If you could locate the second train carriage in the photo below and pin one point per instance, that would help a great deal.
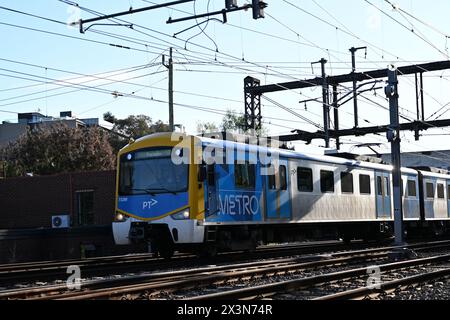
(207, 202)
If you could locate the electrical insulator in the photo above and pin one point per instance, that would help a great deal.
(229, 4)
(258, 9)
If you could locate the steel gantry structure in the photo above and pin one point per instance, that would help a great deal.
(254, 91)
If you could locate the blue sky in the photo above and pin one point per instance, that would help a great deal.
(209, 79)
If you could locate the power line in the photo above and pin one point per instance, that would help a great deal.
(223, 64)
(32, 15)
(411, 30)
(398, 8)
(354, 35)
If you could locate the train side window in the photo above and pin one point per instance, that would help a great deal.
(448, 192)
(346, 182)
(364, 184)
(304, 180)
(245, 175)
(440, 191)
(283, 178)
(379, 186)
(430, 190)
(326, 181)
(412, 191)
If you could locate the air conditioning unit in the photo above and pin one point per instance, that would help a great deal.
(61, 221)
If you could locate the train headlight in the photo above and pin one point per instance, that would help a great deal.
(182, 215)
(119, 217)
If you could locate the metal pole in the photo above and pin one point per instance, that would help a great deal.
(252, 105)
(416, 131)
(326, 105)
(171, 122)
(355, 95)
(131, 11)
(355, 100)
(393, 136)
(336, 115)
(421, 96)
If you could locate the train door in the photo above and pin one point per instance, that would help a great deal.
(383, 194)
(211, 189)
(278, 200)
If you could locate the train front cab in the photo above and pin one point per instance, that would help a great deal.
(159, 202)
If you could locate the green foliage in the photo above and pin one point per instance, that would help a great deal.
(131, 127)
(231, 122)
(204, 127)
(57, 149)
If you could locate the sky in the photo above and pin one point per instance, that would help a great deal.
(46, 65)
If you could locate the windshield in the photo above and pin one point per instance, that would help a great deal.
(151, 171)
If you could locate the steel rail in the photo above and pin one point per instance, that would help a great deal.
(368, 292)
(324, 260)
(292, 285)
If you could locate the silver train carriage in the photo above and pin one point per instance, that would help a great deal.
(206, 204)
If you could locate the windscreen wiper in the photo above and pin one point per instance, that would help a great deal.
(175, 192)
(154, 191)
(148, 191)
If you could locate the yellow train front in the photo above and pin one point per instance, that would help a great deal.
(158, 197)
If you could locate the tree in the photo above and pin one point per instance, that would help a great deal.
(132, 127)
(58, 149)
(231, 122)
(204, 127)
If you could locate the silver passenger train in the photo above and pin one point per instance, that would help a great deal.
(208, 206)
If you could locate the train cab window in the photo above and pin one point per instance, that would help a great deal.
(244, 175)
(283, 178)
(346, 182)
(440, 191)
(411, 187)
(326, 181)
(304, 180)
(430, 190)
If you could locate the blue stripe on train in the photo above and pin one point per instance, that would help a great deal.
(233, 203)
(237, 205)
(150, 207)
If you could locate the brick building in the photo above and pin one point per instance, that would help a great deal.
(28, 204)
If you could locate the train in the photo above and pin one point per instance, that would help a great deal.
(179, 192)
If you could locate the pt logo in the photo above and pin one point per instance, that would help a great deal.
(149, 204)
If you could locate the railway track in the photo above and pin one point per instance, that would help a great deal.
(54, 270)
(318, 287)
(396, 285)
(159, 284)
